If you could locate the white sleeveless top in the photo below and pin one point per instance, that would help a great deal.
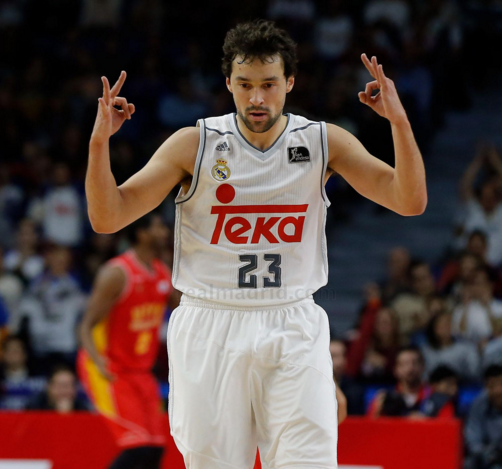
(250, 230)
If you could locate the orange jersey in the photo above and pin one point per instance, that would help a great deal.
(129, 336)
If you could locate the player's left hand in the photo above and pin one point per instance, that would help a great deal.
(386, 102)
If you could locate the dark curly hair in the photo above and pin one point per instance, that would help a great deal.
(259, 39)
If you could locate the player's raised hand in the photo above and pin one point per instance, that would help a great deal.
(109, 118)
(386, 102)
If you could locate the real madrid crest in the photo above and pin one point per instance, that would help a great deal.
(220, 171)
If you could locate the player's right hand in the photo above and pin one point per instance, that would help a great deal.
(102, 364)
(109, 118)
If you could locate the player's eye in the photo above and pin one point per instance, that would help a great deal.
(269, 85)
(244, 85)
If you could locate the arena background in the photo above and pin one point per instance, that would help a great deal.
(390, 277)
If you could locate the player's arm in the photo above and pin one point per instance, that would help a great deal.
(342, 405)
(401, 189)
(110, 207)
(107, 288)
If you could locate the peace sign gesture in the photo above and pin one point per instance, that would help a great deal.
(109, 118)
(386, 102)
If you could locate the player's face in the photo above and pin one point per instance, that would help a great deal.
(259, 90)
(158, 233)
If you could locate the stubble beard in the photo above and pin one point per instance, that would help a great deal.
(259, 127)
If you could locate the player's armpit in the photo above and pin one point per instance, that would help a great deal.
(368, 175)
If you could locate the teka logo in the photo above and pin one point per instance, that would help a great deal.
(239, 230)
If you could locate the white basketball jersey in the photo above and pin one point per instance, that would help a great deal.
(250, 230)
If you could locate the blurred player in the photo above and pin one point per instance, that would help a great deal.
(120, 338)
(248, 347)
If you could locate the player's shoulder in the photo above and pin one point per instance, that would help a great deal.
(299, 123)
(113, 274)
(221, 125)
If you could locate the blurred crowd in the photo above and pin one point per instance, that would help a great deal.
(429, 337)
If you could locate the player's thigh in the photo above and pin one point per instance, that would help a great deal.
(152, 407)
(297, 419)
(295, 395)
(119, 402)
(131, 422)
(210, 410)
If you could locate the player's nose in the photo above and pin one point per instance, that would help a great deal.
(256, 98)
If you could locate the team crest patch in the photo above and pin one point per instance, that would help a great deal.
(298, 155)
(220, 171)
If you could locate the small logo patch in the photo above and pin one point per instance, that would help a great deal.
(298, 155)
(220, 171)
(223, 147)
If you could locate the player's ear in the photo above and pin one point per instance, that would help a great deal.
(290, 82)
(229, 86)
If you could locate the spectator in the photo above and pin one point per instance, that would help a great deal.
(52, 310)
(395, 13)
(11, 198)
(101, 13)
(483, 428)
(17, 386)
(492, 354)
(477, 244)
(11, 289)
(372, 354)
(24, 260)
(476, 316)
(60, 210)
(353, 391)
(99, 249)
(442, 402)
(411, 308)
(333, 31)
(442, 349)
(296, 10)
(61, 394)
(407, 398)
(4, 318)
(458, 273)
(398, 281)
(182, 108)
(484, 210)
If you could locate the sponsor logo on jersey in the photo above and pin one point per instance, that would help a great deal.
(223, 147)
(220, 171)
(277, 223)
(298, 155)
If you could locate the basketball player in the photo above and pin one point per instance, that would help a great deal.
(248, 347)
(120, 338)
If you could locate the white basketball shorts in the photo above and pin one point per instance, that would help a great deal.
(246, 378)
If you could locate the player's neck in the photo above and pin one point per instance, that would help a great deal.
(145, 255)
(266, 139)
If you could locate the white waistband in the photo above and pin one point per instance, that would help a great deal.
(187, 300)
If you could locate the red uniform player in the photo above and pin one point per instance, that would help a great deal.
(120, 338)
